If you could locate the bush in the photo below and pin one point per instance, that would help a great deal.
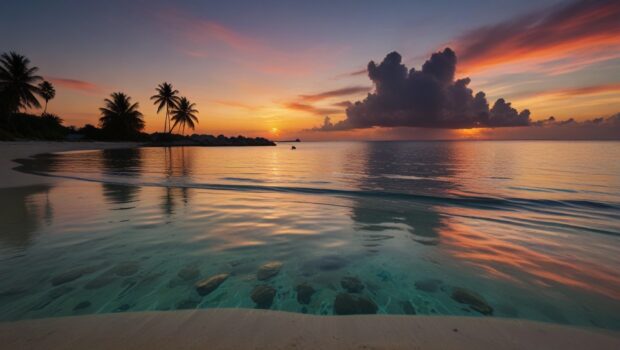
(27, 126)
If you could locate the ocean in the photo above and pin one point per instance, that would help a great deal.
(515, 229)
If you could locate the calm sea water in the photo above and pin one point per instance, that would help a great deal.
(504, 229)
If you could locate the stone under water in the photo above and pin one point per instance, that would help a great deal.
(304, 293)
(268, 270)
(473, 300)
(352, 284)
(207, 286)
(263, 296)
(352, 304)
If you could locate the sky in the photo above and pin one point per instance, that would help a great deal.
(279, 68)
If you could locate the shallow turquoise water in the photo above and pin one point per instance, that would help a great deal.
(531, 228)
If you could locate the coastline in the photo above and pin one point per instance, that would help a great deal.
(11, 150)
(262, 329)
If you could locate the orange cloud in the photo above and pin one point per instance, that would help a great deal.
(74, 84)
(236, 104)
(585, 90)
(351, 90)
(303, 107)
(581, 29)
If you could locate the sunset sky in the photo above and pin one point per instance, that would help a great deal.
(278, 68)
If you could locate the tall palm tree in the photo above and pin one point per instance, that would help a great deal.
(120, 118)
(18, 82)
(166, 97)
(184, 114)
(47, 91)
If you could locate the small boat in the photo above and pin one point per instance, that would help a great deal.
(293, 147)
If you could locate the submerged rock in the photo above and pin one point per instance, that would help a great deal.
(407, 307)
(122, 308)
(351, 304)
(125, 269)
(12, 292)
(429, 285)
(352, 284)
(263, 296)
(188, 273)
(473, 300)
(268, 270)
(187, 304)
(304, 293)
(331, 262)
(82, 305)
(207, 286)
(67, 277)
(99, 282)
(58, 292)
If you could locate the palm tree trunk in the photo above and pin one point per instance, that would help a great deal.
(166, 120)
(45, 110)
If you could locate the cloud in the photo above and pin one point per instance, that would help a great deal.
(342, 104)
(612, 121)
(351, 90)
(354, 73)
(200, 37)
(74, 84)
(236, 104)
(427, 98)
(580, 91)
(298, 106)
(579, 32)
(601, 128)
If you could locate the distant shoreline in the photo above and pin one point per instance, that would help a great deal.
(11, 150)
(264, 329)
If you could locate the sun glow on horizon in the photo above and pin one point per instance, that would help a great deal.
(471, 133)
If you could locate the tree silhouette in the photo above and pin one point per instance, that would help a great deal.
(47, 91)
(18, 82)
(184, 114)
(166, 97)
(120, 118)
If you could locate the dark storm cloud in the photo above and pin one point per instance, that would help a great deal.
(427, 98)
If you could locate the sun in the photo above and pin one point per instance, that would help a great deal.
(471, 133)
(275, 131)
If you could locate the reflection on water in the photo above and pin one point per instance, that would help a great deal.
(24, 210)
(509, 229)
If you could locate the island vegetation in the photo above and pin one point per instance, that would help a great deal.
(120, 118)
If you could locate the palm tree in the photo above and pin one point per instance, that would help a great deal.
(47, 91)
(120, 118)
(18, 82)
(166, 97)
(184, 114)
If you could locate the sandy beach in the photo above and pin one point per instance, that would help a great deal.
(259, 329)
(22, 149)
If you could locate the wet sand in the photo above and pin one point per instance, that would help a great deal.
(259, 329)
(22, 149)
